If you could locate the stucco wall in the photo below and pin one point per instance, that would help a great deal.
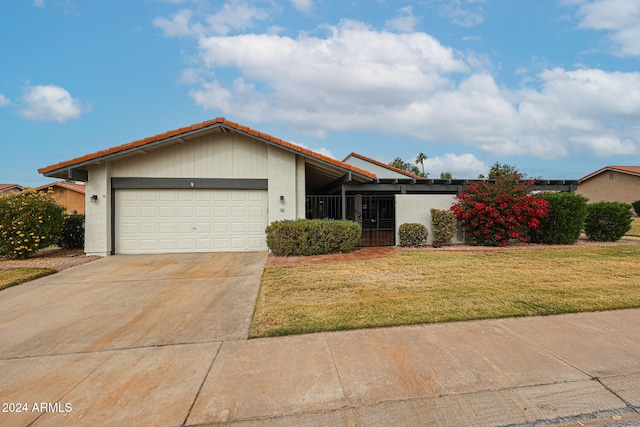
(97, 235)
(282, 178)
(417, 208)
(611, 186)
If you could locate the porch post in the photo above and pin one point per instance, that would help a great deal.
(344, 202)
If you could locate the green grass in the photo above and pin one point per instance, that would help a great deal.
(14, 276)
(419, 286)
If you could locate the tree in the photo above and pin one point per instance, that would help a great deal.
(398, 163)
(446, 175)
(495, 212)
(420, 160)
(502, 171)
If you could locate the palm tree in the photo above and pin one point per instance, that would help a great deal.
(420, 160)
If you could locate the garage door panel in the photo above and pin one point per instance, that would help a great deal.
(165, 221)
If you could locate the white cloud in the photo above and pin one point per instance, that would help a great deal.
(38, 3)
(618, 17)
(404, 22)
(4, 101)
(232, 16)
(356, 78)
(462, 12)
(461, 166)
(51, 103)
(303, 6)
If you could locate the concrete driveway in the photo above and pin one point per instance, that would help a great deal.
(133, 324)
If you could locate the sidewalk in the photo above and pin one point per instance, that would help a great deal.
(572, 370)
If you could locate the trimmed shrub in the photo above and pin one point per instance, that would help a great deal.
(412, 234)
(72, 235)
(607, 221)
(312, 236)
(28, 222)
(636, 207)
(445, 226)
(563, 225)
(496, 212)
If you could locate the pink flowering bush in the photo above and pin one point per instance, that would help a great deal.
(496, 212)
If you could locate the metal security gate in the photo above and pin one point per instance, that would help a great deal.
(374, 213)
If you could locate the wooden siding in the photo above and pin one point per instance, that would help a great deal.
(214, 155)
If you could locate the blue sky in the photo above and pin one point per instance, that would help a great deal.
(549, 86)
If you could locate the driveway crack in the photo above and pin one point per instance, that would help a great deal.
(184, 423)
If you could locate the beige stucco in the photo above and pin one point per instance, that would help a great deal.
(72, 201)
(97, 239)
(611, 186)
(416, 208)
(213, 155)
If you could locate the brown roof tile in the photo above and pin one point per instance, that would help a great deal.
(220, 120)
(375, 162)
(633, 170)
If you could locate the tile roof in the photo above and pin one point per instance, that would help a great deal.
(4, 187)
(220, 121)
(375, 162)
(633, 170)
(79, 188)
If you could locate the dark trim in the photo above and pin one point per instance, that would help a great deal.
(189, 183)
(78, 175)
(113, 221)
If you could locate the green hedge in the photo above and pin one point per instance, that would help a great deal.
(312, 236)
(72, 235)
(445, 227)
(608, 221)
(636, 207)
(563, 225)
(412, 234)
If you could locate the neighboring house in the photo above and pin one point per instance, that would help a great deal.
(380, 169)
(67, 194)
(612, 184)
(10, 188)
(215, 186)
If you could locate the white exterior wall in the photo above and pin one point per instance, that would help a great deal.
(417, 208)
(300, 188)
(214, 155)
(282, 178)
(97, 234)
(373, 168)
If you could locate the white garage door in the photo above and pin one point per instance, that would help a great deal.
(169, 221)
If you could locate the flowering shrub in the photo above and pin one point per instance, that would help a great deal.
(28, 222)
(444, 226)
(496, 212)
(412, 234)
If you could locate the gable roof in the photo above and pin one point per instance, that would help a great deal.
(377, 163)
(78, 188)
(631, 170)
(6, 187)
(177, 134)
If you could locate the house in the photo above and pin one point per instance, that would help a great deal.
(612, 184)
(380, 169)
(10, 188)
(67, 194)
(216, 185)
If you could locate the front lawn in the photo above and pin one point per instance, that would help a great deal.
(14, 276)
(635, 228)
(426, 286)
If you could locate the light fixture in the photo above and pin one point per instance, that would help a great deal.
(94, 198)
(281, 199)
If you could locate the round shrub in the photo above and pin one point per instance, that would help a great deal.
(564, 223)
(312, 236)
(445, 226)
(28, 221)
(636, 207)
(607, 221)
(412, 234)
(72, 235)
